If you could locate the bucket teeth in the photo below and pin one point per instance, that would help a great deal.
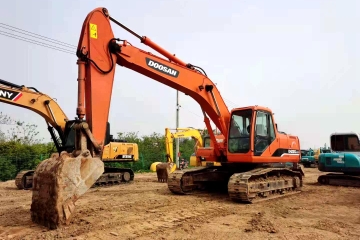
(58, 182)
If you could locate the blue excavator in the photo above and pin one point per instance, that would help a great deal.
(308, 158)
(343, 163)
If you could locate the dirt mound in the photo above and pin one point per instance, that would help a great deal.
(260, 223)
(145, 209)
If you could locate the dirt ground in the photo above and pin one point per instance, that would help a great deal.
(145, 209)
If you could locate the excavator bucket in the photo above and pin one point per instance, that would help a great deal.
(58, 182)
(163, 170)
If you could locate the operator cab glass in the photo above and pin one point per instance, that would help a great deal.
(345, 142)
(264, 132)
(240, 131)
(207, 141)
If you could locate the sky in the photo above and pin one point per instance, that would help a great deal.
(299, 58)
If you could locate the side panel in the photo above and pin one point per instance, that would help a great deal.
(339, 162)
(121, 152)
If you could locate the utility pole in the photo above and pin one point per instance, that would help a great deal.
(177, 126)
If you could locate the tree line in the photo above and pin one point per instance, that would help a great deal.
(21, 148)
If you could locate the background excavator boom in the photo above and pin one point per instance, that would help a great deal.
(164, 169)
(30, 98)
(34, 100)
(180, 133)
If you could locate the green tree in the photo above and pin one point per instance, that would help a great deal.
(5, 120)
(24, 133)
(186, 148)
(20, 148)
(205, 132)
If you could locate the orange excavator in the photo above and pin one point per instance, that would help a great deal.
(62, 134)
(251, 145)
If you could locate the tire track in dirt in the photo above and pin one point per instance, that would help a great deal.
(135, 218)
(145, 209)
(157, 220)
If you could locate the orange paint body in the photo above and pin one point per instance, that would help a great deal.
(175, 74)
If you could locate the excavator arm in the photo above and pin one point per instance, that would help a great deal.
(100, 51)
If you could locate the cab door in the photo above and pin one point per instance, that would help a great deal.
(265, 141)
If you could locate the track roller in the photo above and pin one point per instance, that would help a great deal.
(115, 176)
(24, 179)
(264, 184)
(256, 185)
(335, 179)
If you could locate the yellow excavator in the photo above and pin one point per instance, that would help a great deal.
(164, 169)
(62, 133)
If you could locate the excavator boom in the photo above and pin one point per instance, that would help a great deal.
(98, 46)
(36, 101)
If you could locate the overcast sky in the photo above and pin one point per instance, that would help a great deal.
(299, 58)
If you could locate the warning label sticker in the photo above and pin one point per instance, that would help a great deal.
(93, 31)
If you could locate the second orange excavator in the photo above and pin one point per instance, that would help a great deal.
(251, 145)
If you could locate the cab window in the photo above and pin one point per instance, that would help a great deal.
(345, 142)
(240, 129)
(206, 141)
(264, 132)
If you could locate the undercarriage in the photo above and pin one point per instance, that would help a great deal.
(111, 176)
(250, 186)
(339, 179)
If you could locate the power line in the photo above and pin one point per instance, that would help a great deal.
(193, 113)
(71, 48)
(39, 36)
(35, 42)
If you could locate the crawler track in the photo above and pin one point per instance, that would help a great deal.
(253, 186)
(263, 184)
(339, 180)
(23, 179)
(115, 176)
(176, 179)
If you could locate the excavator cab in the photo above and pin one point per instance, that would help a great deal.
(253, 134)
(344, 158)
